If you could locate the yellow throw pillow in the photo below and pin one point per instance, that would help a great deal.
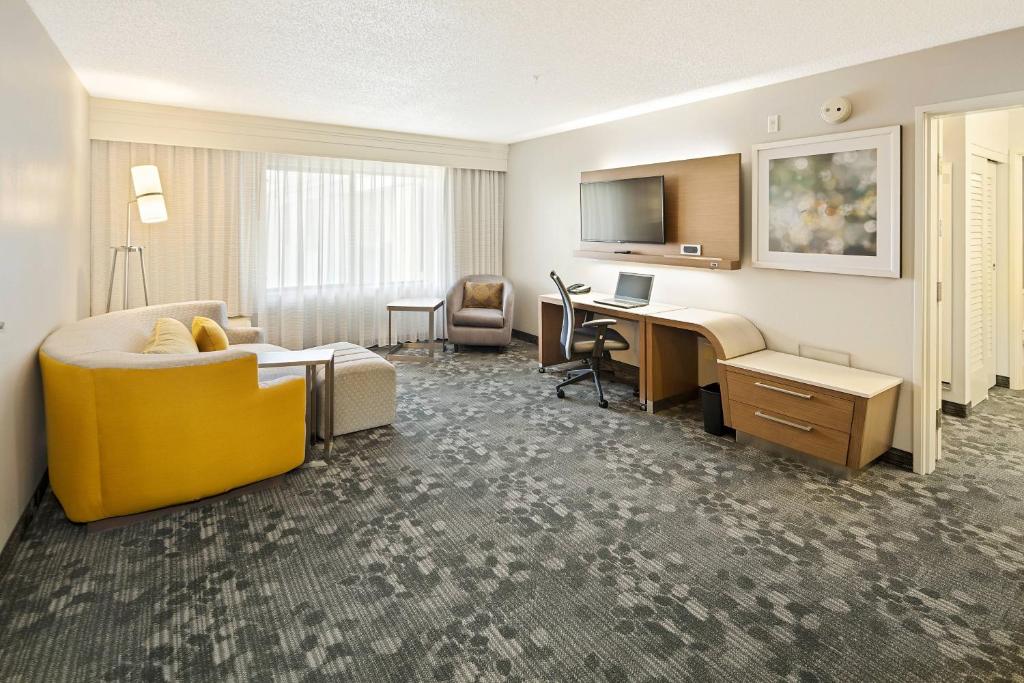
(208, 334)
(483, 295)
(170, 336)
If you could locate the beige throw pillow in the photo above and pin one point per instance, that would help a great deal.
(170, 336)
(483, 295)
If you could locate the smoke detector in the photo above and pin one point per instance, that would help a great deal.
(836, 110)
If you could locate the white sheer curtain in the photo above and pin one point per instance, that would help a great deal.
(475, 211)
(313, 248)
(339, 239)
(201, 251)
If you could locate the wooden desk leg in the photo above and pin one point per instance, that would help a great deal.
(670, 366)
(641, 354)
(549, 346)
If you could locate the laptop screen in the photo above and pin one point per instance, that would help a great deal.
(634, 286)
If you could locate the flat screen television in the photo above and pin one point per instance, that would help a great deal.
(628, 210)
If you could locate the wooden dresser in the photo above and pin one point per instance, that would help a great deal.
(843, 415)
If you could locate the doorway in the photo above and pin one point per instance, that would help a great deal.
(969, 263)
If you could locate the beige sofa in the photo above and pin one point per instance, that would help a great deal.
(129, 432)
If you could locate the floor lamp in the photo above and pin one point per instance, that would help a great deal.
(149, 198)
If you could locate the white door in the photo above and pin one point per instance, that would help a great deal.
(981, 273)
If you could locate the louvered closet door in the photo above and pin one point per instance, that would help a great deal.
(981, 275)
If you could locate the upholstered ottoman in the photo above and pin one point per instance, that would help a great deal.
(364, 389)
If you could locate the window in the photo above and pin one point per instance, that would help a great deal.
(353, 224)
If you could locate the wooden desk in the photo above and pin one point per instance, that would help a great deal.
(671, 353)
(549, 347)
(842, 415)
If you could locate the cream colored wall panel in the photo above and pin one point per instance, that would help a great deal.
(44, 236)
(870, 318)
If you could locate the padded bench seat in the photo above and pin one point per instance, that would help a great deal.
(364, 389)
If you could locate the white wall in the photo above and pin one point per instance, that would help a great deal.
(871, 318)
(989, 131)
(1017, 130)
(44, 231)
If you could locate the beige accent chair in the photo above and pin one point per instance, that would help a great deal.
(479, 326)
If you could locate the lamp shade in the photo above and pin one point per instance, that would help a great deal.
(146, 180)
(152, 208)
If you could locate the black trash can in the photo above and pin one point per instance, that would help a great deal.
(711, 404)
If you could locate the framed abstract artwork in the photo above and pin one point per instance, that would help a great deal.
(829, 204)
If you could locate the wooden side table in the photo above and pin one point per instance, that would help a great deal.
(428, 305)
(315, 408)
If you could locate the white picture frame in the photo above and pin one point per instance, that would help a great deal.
(885, 262)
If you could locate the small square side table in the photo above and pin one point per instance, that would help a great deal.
(316, 409)
(428, 305)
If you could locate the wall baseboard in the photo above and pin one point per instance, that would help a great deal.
(899, 458)
(23, 523)
(962, 410)
(524, 336)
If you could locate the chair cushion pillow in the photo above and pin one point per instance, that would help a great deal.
(170, 336)
(478, 317)
(584, 339)
(483, 295)
(208, 334)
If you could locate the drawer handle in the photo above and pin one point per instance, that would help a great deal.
(789, 392)
(795, 425)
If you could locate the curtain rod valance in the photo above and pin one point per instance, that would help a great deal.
(119, 121)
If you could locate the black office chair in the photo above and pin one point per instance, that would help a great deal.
(589, 343)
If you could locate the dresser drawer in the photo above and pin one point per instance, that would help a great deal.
(801, 435)
(792, 399)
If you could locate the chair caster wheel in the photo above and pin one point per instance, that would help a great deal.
(541, 370)
(603, 403)
(560, 394)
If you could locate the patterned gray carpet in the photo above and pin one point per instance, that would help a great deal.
(497, 533)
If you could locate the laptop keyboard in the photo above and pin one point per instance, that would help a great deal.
(620, 303)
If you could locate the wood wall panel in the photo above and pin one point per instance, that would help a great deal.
(702, 206)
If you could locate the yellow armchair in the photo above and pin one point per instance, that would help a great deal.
(128, 432)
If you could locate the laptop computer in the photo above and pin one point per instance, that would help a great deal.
(631, 291)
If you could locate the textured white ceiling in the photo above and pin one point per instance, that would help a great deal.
(496, 70)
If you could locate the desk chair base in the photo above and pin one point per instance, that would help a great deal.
(580, 374)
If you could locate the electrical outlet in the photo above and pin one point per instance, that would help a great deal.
(773, 123)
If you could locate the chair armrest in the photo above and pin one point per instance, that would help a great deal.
(600, 322)
(245, 335)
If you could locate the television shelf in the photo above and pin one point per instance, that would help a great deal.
(702, 200)
(662, 259)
